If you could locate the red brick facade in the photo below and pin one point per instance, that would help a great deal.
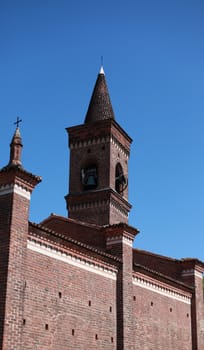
(77, 283)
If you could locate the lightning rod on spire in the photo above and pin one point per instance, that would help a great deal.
(102, 70)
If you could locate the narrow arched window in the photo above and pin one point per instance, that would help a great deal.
(120, 179)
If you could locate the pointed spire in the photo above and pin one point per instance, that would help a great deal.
(100, 106)
(15, 149)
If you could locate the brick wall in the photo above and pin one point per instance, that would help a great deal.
(66, 307)
(160, 322)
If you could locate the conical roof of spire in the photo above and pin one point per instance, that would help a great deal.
(100, 106)
(16, 135)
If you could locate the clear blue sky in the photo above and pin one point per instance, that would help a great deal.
(154, 63)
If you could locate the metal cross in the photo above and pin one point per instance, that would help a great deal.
(18, 121)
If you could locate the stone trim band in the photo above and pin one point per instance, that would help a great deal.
(71, 259)
(15, 189)
(164, 290)
(119, 239)
(192, 272)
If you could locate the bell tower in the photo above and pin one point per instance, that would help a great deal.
(99, 154)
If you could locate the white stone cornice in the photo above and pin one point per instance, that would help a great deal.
(119, 239)
(14, 188)
(164, 289)
(67, 257)
(192, 272)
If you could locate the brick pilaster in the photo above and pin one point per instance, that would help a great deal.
(119, 242)
(16, 186)
(193, 275)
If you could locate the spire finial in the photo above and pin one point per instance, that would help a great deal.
(18, 121)
(101, 69)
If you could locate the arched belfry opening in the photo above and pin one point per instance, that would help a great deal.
(120, 179)
(89, 178)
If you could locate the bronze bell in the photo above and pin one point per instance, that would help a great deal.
(91, 180)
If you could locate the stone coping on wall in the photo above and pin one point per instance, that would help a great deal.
(161, 288)
(71, 257)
